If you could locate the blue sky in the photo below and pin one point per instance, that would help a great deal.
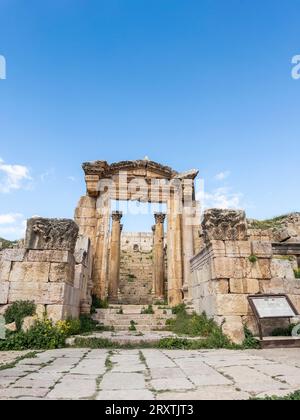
(193, 84)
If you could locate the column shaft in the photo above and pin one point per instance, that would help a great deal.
(159, 259)
(114, 261)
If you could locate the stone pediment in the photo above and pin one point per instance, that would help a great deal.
(145, 168)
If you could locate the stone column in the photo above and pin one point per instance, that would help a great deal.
(100, 268)
(174, 247)
(153, 257)
(158, 260)
(114, 261)
(187, 247)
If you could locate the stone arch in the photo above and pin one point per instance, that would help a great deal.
(146, 181)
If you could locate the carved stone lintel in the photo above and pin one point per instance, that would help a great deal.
(219, 224)
(159, 217)
(116, 216)
(51, 234)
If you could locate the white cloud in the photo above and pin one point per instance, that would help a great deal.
(222, 175)
(13, 177)
(9, 218)
(222, 198)
(72, 178)
(12, 226)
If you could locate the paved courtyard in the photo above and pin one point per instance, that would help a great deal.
(150, 374)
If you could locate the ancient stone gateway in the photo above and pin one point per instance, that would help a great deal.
(148, 182)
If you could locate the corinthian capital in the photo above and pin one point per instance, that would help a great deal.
(116, 216)
(159, 217)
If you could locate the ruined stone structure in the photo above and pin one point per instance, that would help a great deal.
(143, 181)
(213, 266)
(53, 269)
(237, 261)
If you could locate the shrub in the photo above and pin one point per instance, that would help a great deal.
(295, 396)
(196, 326)
(297, 273)
(42, 335)
(97, 303)
(87, 324)
(250, 341)
(179, 308)
(192, 325)
(132, 326)
(161, 302)
(253, 259)
(94, 343)
(283, 332)
(18, 311)
(148, 311)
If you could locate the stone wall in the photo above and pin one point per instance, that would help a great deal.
(231, 266)
(53, 270)
(136, 268)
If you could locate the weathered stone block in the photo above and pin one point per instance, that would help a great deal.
(217, 245)
(262, 249)
(29, 272)
(220, 286)
(285, 233)
(232, 305)
(82, 249)
(250, 322)
(57, 312)
(28, 323)
(55, 234)
(13, 255)
(11, 327)
(57, 293)
(50, 256)
(273, 286)
(36, 291)
(282, 268)
(259, 270)
(237, 249)
(244, 286)
(224, 267)
(5, 267)
(61, 273)
(86, 222)
(233, 328)
(86, 201)
(85, 212)
(224, 225)
(79, 277)
(40, 311)
(4, 289)
(62, 312)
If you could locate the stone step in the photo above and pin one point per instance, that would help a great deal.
(137, 318)
(144, 322)
(134, 309)
(140, 328)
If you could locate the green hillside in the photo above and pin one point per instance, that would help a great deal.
(6, 243)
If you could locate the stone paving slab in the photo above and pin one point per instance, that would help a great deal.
(114, 381)
(10, 356)
(126, 395)
(206, 393)
(151, 374)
